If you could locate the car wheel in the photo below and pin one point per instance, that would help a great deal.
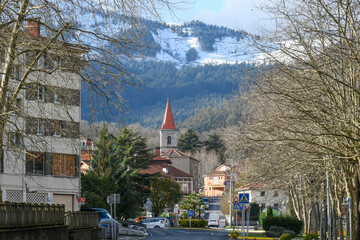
(156, 227)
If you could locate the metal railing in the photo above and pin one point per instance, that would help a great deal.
(20, 215)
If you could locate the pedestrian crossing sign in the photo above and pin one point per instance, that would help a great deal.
(244, 198)
(237, 206)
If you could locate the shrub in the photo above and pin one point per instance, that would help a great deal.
(194, 223)
(275, 231)
(292, 233)
(269, 211)
(234, 235)
(289, 223)
(262, 216)
(285, 236)
(311, 236)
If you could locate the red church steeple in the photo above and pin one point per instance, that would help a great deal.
(168, 122)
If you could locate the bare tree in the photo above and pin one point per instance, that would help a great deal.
(308, 95)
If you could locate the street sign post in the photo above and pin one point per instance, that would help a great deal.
(243, 198)
(237, 206)
(190, 213)
(81, 200)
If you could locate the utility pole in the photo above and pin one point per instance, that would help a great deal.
(328, 199)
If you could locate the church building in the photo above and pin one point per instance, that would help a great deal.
(171, 162)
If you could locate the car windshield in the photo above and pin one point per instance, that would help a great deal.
(206, 200)
(104, 215)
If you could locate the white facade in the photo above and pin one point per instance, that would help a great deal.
(168, 139)
(265, 197)
(41, 148)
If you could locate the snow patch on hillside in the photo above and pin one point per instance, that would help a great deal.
(227, 50)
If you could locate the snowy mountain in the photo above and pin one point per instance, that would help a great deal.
(196, 65)
(210, 44)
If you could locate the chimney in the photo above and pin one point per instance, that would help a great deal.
(33, 28)
(165, 170)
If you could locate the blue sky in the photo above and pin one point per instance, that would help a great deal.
(236, 14)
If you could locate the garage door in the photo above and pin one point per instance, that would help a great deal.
(64, 199)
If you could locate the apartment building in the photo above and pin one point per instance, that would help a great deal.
(41, 162)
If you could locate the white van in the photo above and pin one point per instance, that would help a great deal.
(153, 222)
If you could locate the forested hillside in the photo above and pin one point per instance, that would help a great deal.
(197, 66)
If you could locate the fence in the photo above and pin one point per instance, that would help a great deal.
(23, 215)
(80, 220)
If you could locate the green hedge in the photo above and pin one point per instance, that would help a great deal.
(288, 223)
(194, 223)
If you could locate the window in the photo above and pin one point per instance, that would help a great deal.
(40, 130)
(41, 91)
(41, 61)
(63, 165)
(276, 193)
(185, 187)
(168, 140)
(15, 139)
(35, 163)
(56, 97)
(15, 74)
(262, 193)
(57, 128)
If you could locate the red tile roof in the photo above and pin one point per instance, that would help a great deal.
(168, 122)
(260, 186)
(176, 153)
(215, 173)
(85, 155)
(172, 171)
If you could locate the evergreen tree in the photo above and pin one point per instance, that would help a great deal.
(193, 202)
(215, 143)
(164, 193)
(120, 158)
(189, 141)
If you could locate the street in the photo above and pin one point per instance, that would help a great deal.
(165, 234)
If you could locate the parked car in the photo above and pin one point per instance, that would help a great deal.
(156, 222)
(103, 213)
(138, 219)
(213, 223)
(171, 221)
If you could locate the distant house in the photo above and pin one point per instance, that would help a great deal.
(87, 146)
(215, 182)
(265, 194)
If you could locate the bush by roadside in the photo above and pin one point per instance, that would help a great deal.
(288, 223)
(194, 223)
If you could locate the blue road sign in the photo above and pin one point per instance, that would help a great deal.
(243, 198)
(349, 201)
(237, 206)
(190, 213)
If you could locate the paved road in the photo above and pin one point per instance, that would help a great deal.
(179, 234)
(214, 207)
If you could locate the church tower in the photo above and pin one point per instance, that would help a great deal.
(168, 132)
